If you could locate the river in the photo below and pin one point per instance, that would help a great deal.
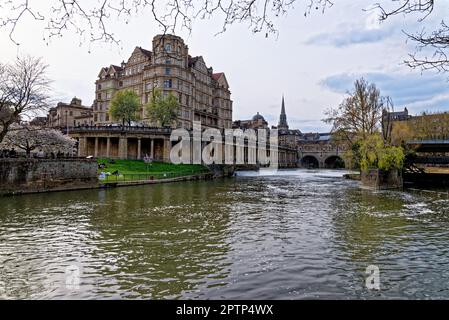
(295, 234)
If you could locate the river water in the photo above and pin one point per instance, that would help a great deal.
(290, 235)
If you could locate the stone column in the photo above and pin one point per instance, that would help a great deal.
(139, 149)
(152, 149)
(123, 148)
(82, 146)
(96, 147)
(108, 147)
(166, 152)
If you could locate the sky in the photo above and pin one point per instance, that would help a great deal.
(312, 61)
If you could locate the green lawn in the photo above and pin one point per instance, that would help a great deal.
(129, 170)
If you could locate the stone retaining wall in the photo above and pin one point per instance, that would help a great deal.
(379, 179)
(40, 175)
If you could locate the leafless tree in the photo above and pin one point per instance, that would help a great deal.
(431, 47)
(90, 18)
(24, 91)
(33, 138)
(360, 114)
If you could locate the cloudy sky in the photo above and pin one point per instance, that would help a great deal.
(313, 60)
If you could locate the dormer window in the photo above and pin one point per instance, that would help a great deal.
(168, 47)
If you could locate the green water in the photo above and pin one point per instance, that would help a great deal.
(297, 234)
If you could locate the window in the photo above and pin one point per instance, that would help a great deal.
(167, 83)
(167, 71)
(99, 96)
(167, 61)
(71, 113)
(168, 47)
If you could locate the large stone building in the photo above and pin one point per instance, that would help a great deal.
(405, 127)
(70, 115)
(203, 95)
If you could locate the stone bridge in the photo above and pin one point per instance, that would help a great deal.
(320, 155)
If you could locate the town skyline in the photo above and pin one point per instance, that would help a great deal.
(327, 66)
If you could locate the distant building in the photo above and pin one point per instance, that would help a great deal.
(203, 95)
(70, 115)
(39, 121)
(287, 137)
(426, 126)
(397, 115)
(257, 122)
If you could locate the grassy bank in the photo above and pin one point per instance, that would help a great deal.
(129, 170)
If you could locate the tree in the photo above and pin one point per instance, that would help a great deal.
(163, 109)
(30, 138)
(125, 106)
(24, 91)
(374, 153)
(360, 114)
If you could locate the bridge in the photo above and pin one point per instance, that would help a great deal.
(317, 155)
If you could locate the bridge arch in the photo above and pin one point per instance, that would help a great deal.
(310, 162)
(334, 162)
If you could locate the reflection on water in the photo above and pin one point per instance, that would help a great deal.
(287, 235)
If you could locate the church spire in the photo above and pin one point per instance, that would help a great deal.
(283, 118)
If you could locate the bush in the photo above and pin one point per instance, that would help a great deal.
(373, 153)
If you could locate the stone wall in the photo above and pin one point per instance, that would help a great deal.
(221, 170)
(40, 175)
(379, 179)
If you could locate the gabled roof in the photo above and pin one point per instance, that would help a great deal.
(217, 76)
(145, 52)
(103, 70)
(115, 68)
(192, 60)
(220, 78)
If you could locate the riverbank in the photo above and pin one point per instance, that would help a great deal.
(27, 176)
(112, 184)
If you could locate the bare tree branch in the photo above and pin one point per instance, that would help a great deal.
(24, 91)
(90, 18)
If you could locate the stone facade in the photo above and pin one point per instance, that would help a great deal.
(405, 127)
(203, 95)
(287, 137)
(257, 122)
(70, 115)
(123, 143)
(39, 175)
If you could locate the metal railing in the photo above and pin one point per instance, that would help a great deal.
(155, 130)
(149, 176)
